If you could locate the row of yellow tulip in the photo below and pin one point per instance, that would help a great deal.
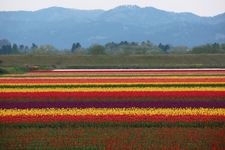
(117, 89)
(112, 83)
(114, 111)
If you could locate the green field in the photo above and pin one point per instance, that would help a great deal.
(105, 61)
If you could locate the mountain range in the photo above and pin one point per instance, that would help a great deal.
(62, 26)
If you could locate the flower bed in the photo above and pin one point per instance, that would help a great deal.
(114, 98)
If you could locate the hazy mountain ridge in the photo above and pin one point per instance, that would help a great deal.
(61, 26)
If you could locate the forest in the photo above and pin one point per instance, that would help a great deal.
(111, 48)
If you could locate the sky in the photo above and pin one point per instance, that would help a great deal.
(199, 7)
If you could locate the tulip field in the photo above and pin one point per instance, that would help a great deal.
(113, 109)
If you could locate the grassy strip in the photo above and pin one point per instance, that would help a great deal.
(113, 124)
(13, 70)
(116, 75)
(114, 86)
(105, 61)
(3, 71)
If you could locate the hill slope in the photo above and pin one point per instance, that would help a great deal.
(61, 27)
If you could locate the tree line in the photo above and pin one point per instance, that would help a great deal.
(111, 48)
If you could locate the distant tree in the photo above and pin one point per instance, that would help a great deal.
(134, 43)
(34, 49)
(75, 47)
(4, 42)
(45, 50)
(164, 48)
(223, 47)
(6, 49)
(78, 45)
(26, 49)
(147, 44)
(123, 43)
(216, 46)
(111, 46)
(96, 50)
(21, 47)
(34, 46)
(208, 49)
(15, 49)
